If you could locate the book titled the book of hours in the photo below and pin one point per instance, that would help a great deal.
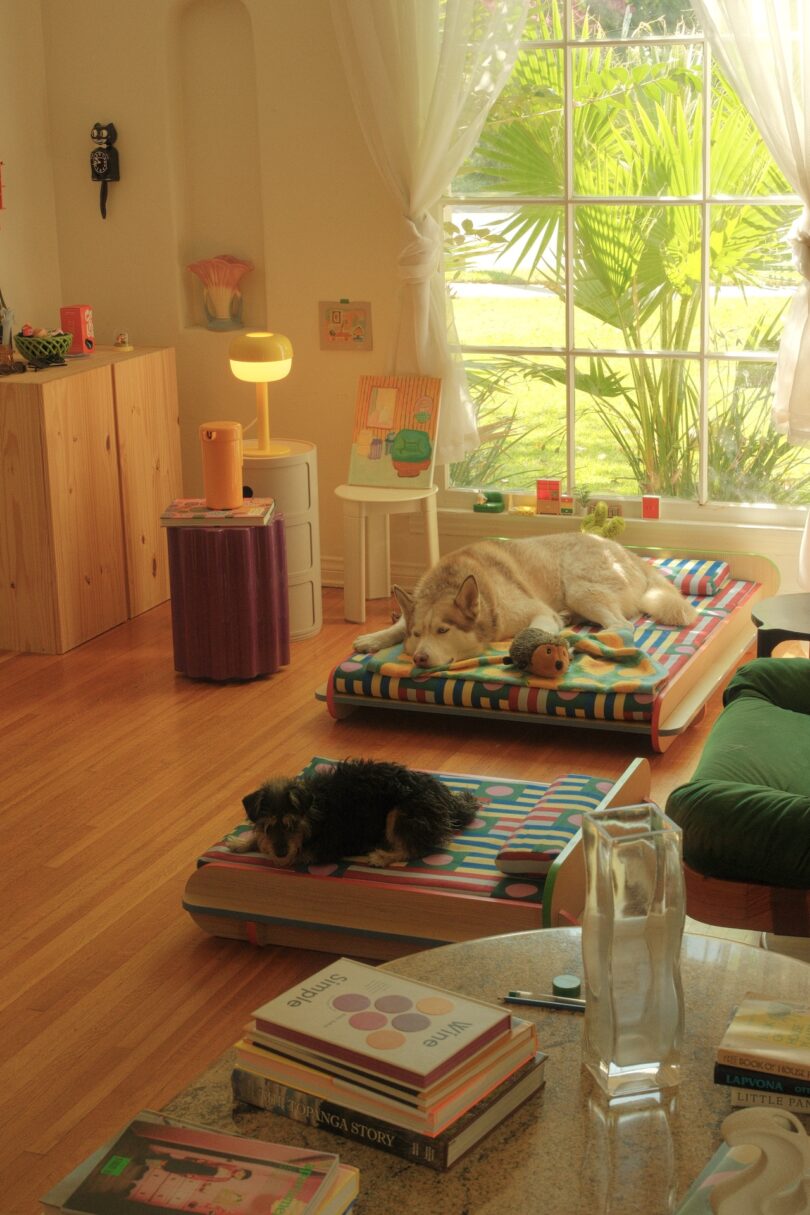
(768, 1035)
(391, 1026)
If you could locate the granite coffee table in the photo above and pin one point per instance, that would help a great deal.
(565, 1151)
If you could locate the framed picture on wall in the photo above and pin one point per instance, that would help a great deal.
(345, 324)
(394, 437)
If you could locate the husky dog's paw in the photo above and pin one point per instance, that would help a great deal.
(367, 643)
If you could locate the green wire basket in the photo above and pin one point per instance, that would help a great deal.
(52, 345)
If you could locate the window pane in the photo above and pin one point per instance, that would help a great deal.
(748, 460)
(636, 426)
(521, 150)
(520, 408)
(544, 20)
(637, 277)
(637, 120)
(740, 162)
(642, 18)
(504, 271)
(753, 277)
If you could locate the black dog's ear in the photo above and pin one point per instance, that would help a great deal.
(298, 796)
(253, 804)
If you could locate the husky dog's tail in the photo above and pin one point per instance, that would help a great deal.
(665, 603)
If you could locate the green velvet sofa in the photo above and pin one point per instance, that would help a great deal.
(745, 813)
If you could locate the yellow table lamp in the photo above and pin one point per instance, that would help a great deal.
(259, 358)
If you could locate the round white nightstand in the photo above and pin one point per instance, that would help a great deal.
(291, 478)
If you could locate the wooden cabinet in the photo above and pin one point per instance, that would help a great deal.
(89, 457)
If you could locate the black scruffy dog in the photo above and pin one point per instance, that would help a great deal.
(377, 812)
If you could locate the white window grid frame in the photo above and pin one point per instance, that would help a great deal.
(703, 356)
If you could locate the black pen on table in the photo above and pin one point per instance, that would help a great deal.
(543, 1000)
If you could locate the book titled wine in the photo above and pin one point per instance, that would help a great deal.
(411, 1032)
(438, 1152)
(193, 512)
(161, 1165)
(770, 1036)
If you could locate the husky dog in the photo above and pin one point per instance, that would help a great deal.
(492, 590)
(383, 811)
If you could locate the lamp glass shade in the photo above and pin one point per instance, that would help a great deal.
(260, 357)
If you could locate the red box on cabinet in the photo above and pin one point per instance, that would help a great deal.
(78, 320)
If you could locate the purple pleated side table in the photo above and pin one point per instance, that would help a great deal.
(230, 610)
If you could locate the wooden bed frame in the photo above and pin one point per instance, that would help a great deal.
(681, 700)
(345, 916)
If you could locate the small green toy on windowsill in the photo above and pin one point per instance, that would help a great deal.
(490, 502)
(598, 523)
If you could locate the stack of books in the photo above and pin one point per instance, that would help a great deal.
(406, 1067)
(764, 1055)
(193, 512)
(157, 1163)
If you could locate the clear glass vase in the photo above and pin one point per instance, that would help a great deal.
(632, 929)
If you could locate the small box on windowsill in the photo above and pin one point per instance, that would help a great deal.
(650, 506)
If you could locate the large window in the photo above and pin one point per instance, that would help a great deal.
(617, 254)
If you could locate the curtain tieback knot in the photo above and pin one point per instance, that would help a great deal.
(800, 243)
(419, 259)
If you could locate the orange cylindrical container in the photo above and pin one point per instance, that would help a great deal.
(221, 444)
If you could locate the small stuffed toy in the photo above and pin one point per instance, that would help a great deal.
(599, 524)
(547, 655)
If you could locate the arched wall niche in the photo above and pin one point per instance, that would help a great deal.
(216, 135)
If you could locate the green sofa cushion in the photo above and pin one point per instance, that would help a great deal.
(745, 814)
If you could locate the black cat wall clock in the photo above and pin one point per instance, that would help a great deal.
(104, 160)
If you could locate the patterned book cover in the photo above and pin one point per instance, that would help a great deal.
(768, 1035)
(395, 1027)
(394, 436)
(164, 1165)
(193, 512)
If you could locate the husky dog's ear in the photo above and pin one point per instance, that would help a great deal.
(253, 804)
(467, 597)
(404, 600)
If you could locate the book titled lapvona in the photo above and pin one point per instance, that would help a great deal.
(388, 1025)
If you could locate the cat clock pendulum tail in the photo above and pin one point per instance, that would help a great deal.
(104, 160)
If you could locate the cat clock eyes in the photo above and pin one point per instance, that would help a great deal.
(104, 160)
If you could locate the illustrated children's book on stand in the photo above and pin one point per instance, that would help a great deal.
(394, 436)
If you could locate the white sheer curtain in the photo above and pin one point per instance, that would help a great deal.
(423, 75)
(764, 49)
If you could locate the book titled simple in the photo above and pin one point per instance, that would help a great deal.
(390, 1026)
(768, 1035)
(163, 1165)
(193, 512)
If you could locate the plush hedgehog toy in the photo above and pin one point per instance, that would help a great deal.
(547, 655)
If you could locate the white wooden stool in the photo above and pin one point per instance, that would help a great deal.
(366, 536)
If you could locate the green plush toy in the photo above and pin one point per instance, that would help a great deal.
(599, 524)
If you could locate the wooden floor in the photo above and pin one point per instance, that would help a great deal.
(115, 772)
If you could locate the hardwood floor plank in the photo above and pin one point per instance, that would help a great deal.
(115, 773)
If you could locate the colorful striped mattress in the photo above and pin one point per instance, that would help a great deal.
(668, 648)
(469, 864)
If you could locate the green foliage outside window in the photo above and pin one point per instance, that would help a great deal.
(636, 273)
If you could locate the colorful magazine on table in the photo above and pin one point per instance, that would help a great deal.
(159, 1166)
(193, 512)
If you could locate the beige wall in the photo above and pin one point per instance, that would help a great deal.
(330, 229)
(29, 266)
